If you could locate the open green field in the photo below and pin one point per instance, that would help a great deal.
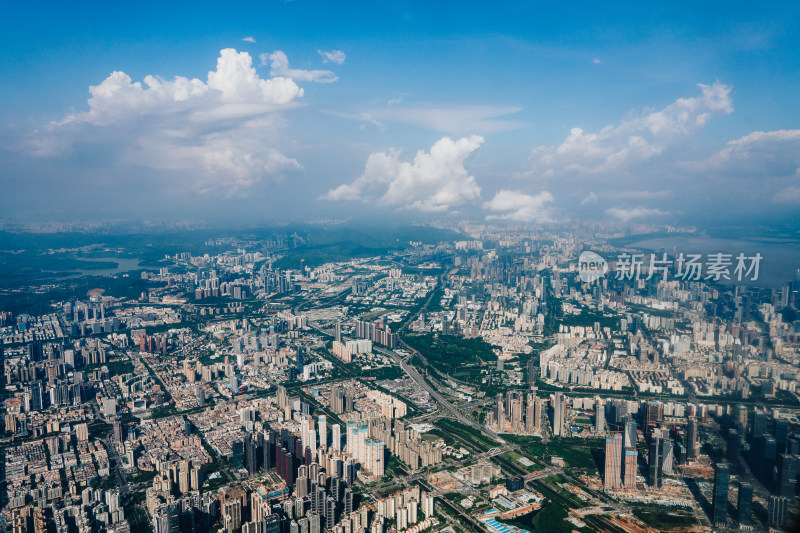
(470, 437)
(514, 457)
(665, 517)
(577, 453)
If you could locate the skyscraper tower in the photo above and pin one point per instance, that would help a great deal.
(530, 413)
(654, 461)
(719, 501)
(631, 466)
(691, 438)
(559, 414)
(631, 436)
(613, 470)
(745, 504)
(599, 417)
(788, 469)
(300, 362)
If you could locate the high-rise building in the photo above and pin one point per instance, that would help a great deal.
(530, 413)
(631, 466)
(719, 502)
(691, 438)
(336, 437)
(330, 513)
(745, 504)
(667, 456)
(788, 468)
(322, 423)
(166, 518)
(314, 523)
(781, 432)
(348, 501)
(654, 461)
(271, 523)
(599, 417)
(759, 425)
(733, 443)
(631, 435)
(250, 455)
(559, 414)
(613, 470)
(118, 429)
(778, 511)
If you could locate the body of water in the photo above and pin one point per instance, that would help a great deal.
(124, 264)
(781, 259)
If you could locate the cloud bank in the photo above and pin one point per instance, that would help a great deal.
(279, 65)
(616, 148)
(435, 181)
(222, 134)
(520, 207)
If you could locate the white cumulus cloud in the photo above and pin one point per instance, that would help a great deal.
(434, 181)
(249, 40)
(628, 214)
(520, 207)
(616, 147)
(770, 151)
(334, 56)
(223, 133)
(279, 65)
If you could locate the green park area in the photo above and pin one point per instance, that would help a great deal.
(448, 354)
(577, 453)
(665, 517)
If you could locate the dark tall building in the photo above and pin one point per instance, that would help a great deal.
(770, 455)
(513, 484)
(788, 467)
(745, 504)
(330, 513)
(759, 425)
(271, 524)
(778, 511)
(793, 446)
(36, 397)
(238, 454)
(250, 455)
(285, 467)
(680, 454)
(719, 502)
(348, 501)
(300, 362)
(733, 443)
(268, 461)
(781, 432)
(691, 439)
(654, 462)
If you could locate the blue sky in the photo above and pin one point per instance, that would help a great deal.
(521, 112)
